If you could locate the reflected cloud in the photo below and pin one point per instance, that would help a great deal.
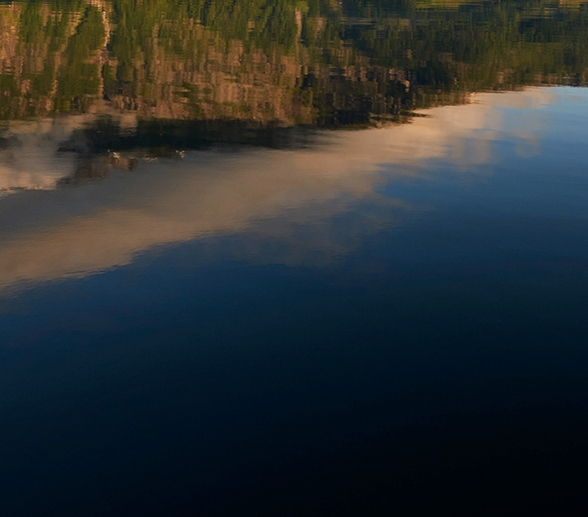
(28, 154)
(73, 232)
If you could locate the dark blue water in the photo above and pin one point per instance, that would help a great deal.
(341, 329)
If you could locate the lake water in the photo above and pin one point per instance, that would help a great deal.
(278, 258)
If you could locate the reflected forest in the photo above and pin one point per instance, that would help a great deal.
(219, 64)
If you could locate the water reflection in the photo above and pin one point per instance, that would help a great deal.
(276, 61)
(78, 231)
(130, 81)
(93, 90)
(420, 164)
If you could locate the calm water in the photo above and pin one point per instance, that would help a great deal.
(278, 258)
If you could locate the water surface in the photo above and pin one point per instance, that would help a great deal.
(293, 258)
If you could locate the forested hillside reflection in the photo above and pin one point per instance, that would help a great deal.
(277, 62)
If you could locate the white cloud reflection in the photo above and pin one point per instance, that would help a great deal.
(78, 231)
